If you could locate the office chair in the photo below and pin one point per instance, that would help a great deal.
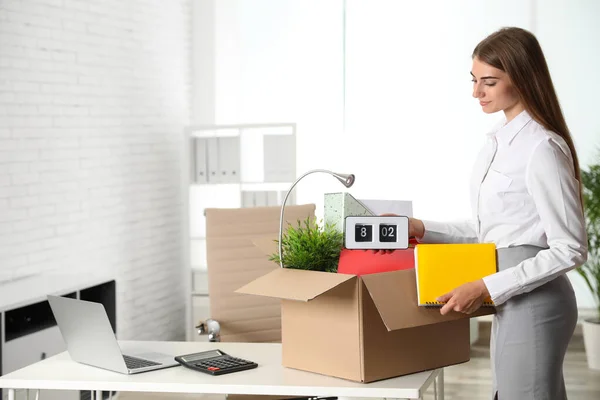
(233, 261)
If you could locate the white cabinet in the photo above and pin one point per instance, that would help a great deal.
(28, 330)
(22, 394)
(21, 352)
(25, 350)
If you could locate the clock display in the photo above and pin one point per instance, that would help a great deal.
(388, 232)
(376, 232)
(363, 233)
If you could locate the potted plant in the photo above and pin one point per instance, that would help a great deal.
(590, 271)
(310, 247)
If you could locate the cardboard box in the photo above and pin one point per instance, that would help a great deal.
(361, 328)
(233, 260)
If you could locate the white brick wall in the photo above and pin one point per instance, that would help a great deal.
(93, 98)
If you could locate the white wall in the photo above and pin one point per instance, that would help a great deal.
(570, 36)
(282, 61)
(93, 98)
(392, 103)
(409, 109)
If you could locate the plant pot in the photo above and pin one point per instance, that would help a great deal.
(591, 339)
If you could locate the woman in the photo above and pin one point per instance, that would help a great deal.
(526, 198)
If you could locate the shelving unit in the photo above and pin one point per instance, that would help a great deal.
(229, 166)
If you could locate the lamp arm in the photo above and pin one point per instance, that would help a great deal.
(283, 208)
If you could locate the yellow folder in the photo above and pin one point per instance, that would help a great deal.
(440, 268)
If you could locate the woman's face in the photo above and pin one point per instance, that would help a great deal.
(493, 89)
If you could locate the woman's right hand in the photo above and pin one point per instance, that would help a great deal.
(415, 228)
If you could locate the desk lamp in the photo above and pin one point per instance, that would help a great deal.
(346, 179)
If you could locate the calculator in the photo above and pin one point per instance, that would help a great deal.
(214, 362)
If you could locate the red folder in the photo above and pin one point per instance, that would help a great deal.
(363, 262)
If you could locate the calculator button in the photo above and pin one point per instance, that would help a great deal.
(216, 365)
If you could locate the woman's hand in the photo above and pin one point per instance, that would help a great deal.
(466, 298)
(416, 228)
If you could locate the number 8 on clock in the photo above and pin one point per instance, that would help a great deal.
(363, 233)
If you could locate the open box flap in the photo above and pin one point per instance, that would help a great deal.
(395, 296)
(294, 284)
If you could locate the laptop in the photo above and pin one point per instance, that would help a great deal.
(90, 339)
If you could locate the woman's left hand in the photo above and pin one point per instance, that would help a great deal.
(466, 298)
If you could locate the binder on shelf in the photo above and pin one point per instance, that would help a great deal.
(291, 199)
(260, 198)
(228, 159)
(440, 268)
(272, 198)
(200, 162)
(279, 158)
(212, 155)
(247, 199)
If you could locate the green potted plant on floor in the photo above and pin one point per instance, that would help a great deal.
(590, 271)
(309, 246)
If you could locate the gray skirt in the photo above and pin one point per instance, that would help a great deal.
(530, 334)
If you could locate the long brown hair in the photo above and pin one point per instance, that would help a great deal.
(518, 53)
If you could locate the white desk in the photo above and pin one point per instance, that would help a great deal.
(270, 378)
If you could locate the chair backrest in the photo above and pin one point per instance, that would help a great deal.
(233, 261)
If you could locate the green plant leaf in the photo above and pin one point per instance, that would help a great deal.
(590, 271)
(307, 246)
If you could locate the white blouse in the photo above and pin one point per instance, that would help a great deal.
(523, 191)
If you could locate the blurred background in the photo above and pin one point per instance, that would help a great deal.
(95, 96)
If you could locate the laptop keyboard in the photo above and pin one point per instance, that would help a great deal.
(135, 363)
